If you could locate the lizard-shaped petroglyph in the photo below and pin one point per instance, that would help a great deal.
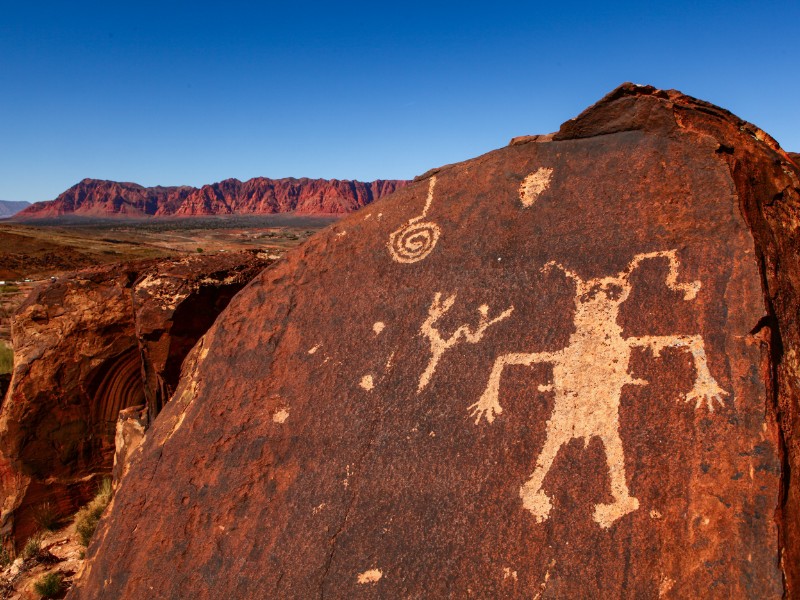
(415, 239)
(439, 345)
(588, 377)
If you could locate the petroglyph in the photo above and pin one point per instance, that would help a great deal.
(440, 345)
(370, 576)
(588, 377)
(378, 327)
(280, 415)
(533, 185)
(367, 383)
(416, 239)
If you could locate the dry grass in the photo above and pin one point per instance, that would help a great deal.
(33, 547)
(6, 358)
(88, 517)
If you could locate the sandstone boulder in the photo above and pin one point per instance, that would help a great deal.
(87, 347)
(565, 369)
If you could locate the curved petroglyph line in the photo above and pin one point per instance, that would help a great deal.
(533, 185)
(689, 289)
(588, 377)
(416, 239)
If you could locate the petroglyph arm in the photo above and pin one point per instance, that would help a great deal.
(689, 289)
(439, 345)
(489, 404)
(705, 386)
(549, 266)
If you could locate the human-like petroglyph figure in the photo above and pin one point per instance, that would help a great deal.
(416, 239)
(440, 345)
(588, 376)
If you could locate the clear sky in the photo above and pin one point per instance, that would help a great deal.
(193, 92)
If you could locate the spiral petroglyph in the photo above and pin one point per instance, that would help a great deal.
(416, 239)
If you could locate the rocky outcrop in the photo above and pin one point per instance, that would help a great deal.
(567, 368)
(97, 198)
(87, 347)
(132, 423)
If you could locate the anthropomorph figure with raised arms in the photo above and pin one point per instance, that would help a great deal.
(588, 377)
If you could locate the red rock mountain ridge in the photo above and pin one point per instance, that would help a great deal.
(260, 195)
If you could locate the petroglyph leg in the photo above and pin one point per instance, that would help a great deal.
(533, 497)
(624, 503)
(489, 404)
(705, 386)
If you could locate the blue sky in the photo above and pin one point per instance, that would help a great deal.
(193, 92)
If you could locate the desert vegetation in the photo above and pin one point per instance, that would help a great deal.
(88, 517)
(6, 358)
(49, 585)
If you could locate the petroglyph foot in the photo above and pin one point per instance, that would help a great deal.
(707, 392)
(606, 514)
(536, 501)
(485, 407)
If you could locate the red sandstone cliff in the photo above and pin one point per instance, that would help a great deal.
(261, 195)
(86, 347)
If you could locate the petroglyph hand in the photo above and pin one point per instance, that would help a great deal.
(487, 406)
(708, 391)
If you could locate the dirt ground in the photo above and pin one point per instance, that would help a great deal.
(32, 252)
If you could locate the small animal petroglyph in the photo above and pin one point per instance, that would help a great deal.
(416, 239)
(533, 185)
(588, 376)
(439, 345)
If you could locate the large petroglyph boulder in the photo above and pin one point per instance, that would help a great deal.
(87, 347)
(566, 369)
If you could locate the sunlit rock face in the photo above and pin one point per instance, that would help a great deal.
(87, 347)
(566, 368)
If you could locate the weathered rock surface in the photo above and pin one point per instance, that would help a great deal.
(87, 347)
(260, 195)
(564, 369)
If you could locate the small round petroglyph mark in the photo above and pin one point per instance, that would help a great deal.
(367, 383)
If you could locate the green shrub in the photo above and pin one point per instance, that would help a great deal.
(5, 556)
(6, 358)
(88, 517)
(49, 585)
(45, 516)
(33, 546)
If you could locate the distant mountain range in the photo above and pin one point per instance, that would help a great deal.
(99, 198)
(11, 207)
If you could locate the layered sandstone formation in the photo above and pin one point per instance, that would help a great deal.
(261, 195)
(87, 347)
(567, 368)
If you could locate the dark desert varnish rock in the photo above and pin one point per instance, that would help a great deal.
(564, 369)
(260, 195)
(86, 347)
